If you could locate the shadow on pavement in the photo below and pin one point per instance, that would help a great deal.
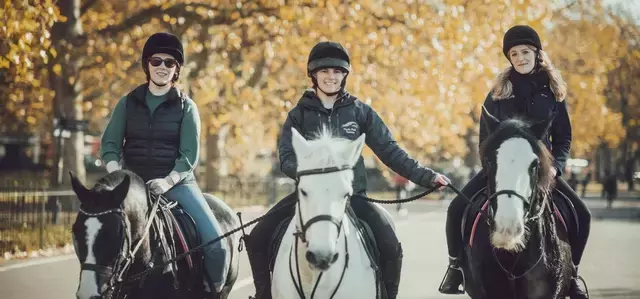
(616, 213)
(618, 293)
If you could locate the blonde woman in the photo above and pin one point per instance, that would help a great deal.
(532, 88)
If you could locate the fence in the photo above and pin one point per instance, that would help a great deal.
(39, 219)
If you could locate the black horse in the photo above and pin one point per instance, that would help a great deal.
(121, 231)
(515, 245)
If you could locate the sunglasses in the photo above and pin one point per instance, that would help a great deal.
(157, 61)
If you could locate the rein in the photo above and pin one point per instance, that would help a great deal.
(113, 283)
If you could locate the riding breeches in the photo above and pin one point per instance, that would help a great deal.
(578, 239)
(192, 200)
(386, 239)
(456, 209)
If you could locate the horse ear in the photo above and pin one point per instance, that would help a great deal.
(120, 192)
(354, 150)
(300, 145)
(79, 188)
(540, 128)
(490, 121)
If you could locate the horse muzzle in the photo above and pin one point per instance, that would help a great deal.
(321, 260)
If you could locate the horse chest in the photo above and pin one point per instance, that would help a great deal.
(358, 281)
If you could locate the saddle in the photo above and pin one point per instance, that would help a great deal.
(174, 223)
(364, 232)
(564, 212)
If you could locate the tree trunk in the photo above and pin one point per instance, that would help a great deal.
(68, 96)
(217, 161)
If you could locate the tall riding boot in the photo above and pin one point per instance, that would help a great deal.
(576, 290)
(391, 270)
(452, 278)
(259, 261)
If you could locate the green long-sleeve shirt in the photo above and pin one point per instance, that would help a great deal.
(113, 137)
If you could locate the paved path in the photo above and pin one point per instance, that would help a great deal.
(611, 265)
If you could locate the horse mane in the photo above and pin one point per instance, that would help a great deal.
(326, 145)
(519, 127)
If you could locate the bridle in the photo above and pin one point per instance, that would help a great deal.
(533, 214)
(531, 204)
(304, 226)
(126, 257)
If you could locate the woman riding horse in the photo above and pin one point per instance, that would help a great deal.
(327, 103)
(160, 129)
(531, 87)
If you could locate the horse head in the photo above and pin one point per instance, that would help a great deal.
(104, 230)
(325, 176)
(519, 181)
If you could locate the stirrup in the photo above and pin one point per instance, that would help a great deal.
(462, 284)
(586, 288)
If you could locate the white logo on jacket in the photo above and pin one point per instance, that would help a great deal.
(350, 127)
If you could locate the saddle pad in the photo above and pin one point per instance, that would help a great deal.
(186, 232)
(565, 211)
(276, 240)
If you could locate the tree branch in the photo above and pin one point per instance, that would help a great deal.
(223, 17)
(86, 6)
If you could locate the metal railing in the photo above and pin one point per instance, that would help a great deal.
(32, 219)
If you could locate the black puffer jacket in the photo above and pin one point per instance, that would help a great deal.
(349, 118)
(536, 102)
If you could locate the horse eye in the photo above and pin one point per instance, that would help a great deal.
(304, 193)
(534, 165)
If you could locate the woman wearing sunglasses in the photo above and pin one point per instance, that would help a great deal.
(155, 132)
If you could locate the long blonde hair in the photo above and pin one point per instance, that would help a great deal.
(503, 88)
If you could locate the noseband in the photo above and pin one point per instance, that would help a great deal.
(305, 226)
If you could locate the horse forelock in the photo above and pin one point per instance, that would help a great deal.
(325, 151)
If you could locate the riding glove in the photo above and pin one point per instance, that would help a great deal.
(162, 185)
(112, 166)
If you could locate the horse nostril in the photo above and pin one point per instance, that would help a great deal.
(519, 230)
(335, 257)
(311, 257)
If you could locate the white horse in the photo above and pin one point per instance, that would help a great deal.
(321, 255)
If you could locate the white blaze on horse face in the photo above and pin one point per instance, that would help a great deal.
(513, 158)
(88, 287)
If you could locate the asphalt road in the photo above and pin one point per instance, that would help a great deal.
(611, 264)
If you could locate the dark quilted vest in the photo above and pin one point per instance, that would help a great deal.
(152, 142)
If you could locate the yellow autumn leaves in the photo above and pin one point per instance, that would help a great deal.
(425, 66)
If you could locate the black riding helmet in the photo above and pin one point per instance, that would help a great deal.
(328, 55)
(163, 42)
(520, 35)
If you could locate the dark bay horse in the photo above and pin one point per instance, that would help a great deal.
(120, 231)
(516, 248)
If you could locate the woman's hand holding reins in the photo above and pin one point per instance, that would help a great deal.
(441, 180)
(159, 186)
